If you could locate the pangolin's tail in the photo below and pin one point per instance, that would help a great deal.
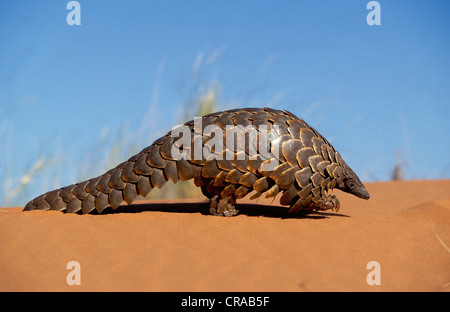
(152, 167)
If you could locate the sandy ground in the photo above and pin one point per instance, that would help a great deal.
(175, 246)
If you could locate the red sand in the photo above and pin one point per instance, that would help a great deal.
(405, 226)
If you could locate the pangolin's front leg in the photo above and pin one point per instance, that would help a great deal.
(321, 203)
(327, 202)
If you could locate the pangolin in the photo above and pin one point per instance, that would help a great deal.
(229, 154)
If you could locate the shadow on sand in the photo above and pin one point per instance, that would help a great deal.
(253, 210)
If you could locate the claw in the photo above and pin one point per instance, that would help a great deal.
(329, 202)
(223, 206)
(336, 204)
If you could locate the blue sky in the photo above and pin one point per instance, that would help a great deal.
(374, 91)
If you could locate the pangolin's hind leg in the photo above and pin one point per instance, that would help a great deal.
(223, 206)
(221, 203)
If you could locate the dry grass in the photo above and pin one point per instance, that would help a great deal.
(198, 97)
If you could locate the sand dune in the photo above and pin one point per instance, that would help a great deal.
(175, 246)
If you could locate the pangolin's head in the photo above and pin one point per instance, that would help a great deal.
(351, 184)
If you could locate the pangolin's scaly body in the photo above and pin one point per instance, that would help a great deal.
(264, 151)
